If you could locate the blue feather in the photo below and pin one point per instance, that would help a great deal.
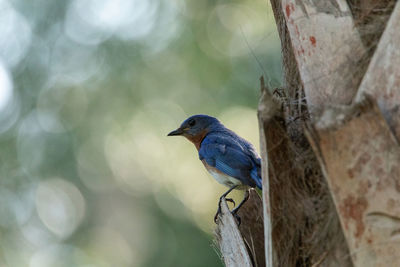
(232, 155)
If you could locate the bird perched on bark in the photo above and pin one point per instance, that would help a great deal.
(230, 159)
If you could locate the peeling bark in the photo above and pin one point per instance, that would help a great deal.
(382, 79)
(230, 241)
(360, 159)
(266, 111)
(355, 152)
(252, 228)
(242, 245)
(327, 48)
(304, 212)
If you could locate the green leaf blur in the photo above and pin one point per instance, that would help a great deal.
(88, 91)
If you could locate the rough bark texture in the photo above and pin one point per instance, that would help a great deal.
(360, 158)
(230, 241)
(252, 228)
(305, 226)
(327, 53)
(352, 171)
(242, 245)
(267, 109)
(296, 198)
(291, 79)
(360, 154)
(327, 49)
(382, 80)
(370, 18)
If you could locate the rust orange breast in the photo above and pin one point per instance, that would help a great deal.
(197, 139)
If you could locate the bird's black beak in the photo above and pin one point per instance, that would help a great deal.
(178, 131)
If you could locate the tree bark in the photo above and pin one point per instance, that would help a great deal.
(360, 158)
(327, 48)
(330, 138)
(233, 249)
(242, 245)
(382, 80)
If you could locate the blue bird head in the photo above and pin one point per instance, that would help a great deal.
(196, 125)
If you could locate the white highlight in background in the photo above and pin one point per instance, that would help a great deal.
(6, 87)
(60, 206)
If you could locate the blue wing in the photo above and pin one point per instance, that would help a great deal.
(232, 157)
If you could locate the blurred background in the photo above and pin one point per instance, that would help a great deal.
(88, 91)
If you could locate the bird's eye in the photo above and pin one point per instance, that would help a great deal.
(192, 123)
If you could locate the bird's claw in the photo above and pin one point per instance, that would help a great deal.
(219, 207)
(226, 199)
(231, 200)
(216, 215)
(218, 212)
(234, 214)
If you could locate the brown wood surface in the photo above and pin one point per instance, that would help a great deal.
(327, 48)
(252, 228)
(233, 248)
(360, 158)
(267, 109)
(382, 79)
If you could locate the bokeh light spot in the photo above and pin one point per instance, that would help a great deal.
(89, 90)
(98, 19)
(6, 87)
(15, 209)
(58, 255)
(93, 166)
(111, 248)
(61, 108)
(15, 34)
(30, 143)
(60, 206)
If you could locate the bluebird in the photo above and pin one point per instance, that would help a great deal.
(230, 159)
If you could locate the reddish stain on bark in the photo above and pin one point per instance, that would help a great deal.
(355, 171)
(350, 172)
(300, 51)
(353, 209)
(313, 41)
(287, 8)
(296, 29)
(363, 187)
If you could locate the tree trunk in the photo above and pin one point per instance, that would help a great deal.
(330, 137)
(329, 51)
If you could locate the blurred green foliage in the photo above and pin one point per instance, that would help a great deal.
(88, 91)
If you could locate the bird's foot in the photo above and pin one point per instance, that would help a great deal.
(218, 210)
(219, 206)
(231, 200)
(216, 214)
